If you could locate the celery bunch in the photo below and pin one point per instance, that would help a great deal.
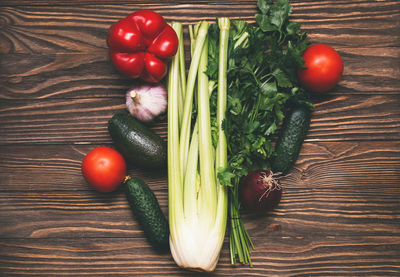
(198, 202)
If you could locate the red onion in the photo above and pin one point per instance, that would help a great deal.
(260, 190)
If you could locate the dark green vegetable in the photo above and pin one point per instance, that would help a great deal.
(262, 83)
(145, 207)
(293, 133)
(263, 60)
(137, 143)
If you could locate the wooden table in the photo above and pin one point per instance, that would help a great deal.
(340, 212)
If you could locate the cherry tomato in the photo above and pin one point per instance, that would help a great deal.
(324, 68)
(104, 169)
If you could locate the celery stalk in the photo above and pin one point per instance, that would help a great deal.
(182, 69)
(198, 203)
(187, 108)
(224, 25)
(207, 195)
(222, 148)
(175, 203)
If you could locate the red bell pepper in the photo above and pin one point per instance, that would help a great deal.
(141, 44)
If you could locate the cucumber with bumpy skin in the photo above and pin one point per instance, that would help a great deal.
(293, 133)
(147, 211)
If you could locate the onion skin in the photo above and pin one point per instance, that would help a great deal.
(260, 191)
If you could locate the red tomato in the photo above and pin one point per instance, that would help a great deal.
(104, 168)
(324, 68)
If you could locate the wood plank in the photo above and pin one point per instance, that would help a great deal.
(55, 168)
(33, 76)
(340, 212)
(77, 75)
(321, 165)
(62, 121)
(71, 214)
(12, 3)
(336, 118)
(274, 255)
(32, 29)
(43, 194)
(83, 28)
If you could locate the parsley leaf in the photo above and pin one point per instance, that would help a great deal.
(225, 176)
(262, 86)
(262, 83)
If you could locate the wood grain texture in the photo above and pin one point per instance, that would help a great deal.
(86, 2)
(347, 210)
(275, 255)
(55, 29)
(56, 168)
(336, 118)
(340, 211)
(321, 165)
(323, 189)
(31, 29)
(38, 76)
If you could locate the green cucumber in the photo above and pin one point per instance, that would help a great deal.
(293, 133)
(147, 211)
(138, 144)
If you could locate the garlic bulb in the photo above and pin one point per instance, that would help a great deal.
(146, 101)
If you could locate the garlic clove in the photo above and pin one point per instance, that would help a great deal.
(145, 102)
